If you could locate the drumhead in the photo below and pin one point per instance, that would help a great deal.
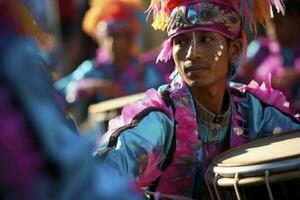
(270, 165)
(269, 149)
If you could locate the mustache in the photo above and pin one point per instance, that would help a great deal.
(199, 63)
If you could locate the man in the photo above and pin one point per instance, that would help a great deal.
(167, 140)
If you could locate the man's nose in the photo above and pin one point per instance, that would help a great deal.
(194, 52)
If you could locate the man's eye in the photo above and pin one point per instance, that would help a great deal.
(206, 39)
(179, 42)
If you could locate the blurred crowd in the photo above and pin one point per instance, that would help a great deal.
(276, 53)
(118, 67)
(59, 57)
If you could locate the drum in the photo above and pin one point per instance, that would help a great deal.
(109, 109)
(267, 168)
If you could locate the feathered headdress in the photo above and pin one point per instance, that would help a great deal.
(253, 10)
(223, 16)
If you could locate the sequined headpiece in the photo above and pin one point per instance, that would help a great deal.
(215, 15)
(221, 16)
(209, 16)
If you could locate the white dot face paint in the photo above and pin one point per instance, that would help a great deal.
(217, 58)
(219, 52)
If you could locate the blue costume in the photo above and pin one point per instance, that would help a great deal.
(250, 116)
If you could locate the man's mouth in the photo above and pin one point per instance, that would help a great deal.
(195, 68)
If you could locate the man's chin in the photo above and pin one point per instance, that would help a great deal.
(199, 83)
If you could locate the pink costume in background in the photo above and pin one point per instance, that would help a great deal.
(269, 58)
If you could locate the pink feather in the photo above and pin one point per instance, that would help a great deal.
(279, 6)
(151, 172)
(166, 52)
(152, 98)
(270, 96)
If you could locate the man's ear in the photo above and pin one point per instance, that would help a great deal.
(235, 50)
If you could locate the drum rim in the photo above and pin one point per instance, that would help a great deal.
(254, 180)
(249, 144)
(259, 169)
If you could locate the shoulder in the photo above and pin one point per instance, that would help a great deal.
(153, 98)
(163, 88)
(259, 99)
(259, 110)
(263, 94)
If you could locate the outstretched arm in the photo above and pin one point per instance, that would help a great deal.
(136, 147)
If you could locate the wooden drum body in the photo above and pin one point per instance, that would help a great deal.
(267, 168)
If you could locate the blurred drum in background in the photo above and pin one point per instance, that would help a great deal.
(106, 110)
(268, 168)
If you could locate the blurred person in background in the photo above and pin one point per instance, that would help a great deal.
(278, 55)
(41, 154)
(116, 70)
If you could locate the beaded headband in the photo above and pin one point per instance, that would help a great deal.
(206, 16)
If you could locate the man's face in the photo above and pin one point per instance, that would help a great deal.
(201, 57)
(118, 44)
